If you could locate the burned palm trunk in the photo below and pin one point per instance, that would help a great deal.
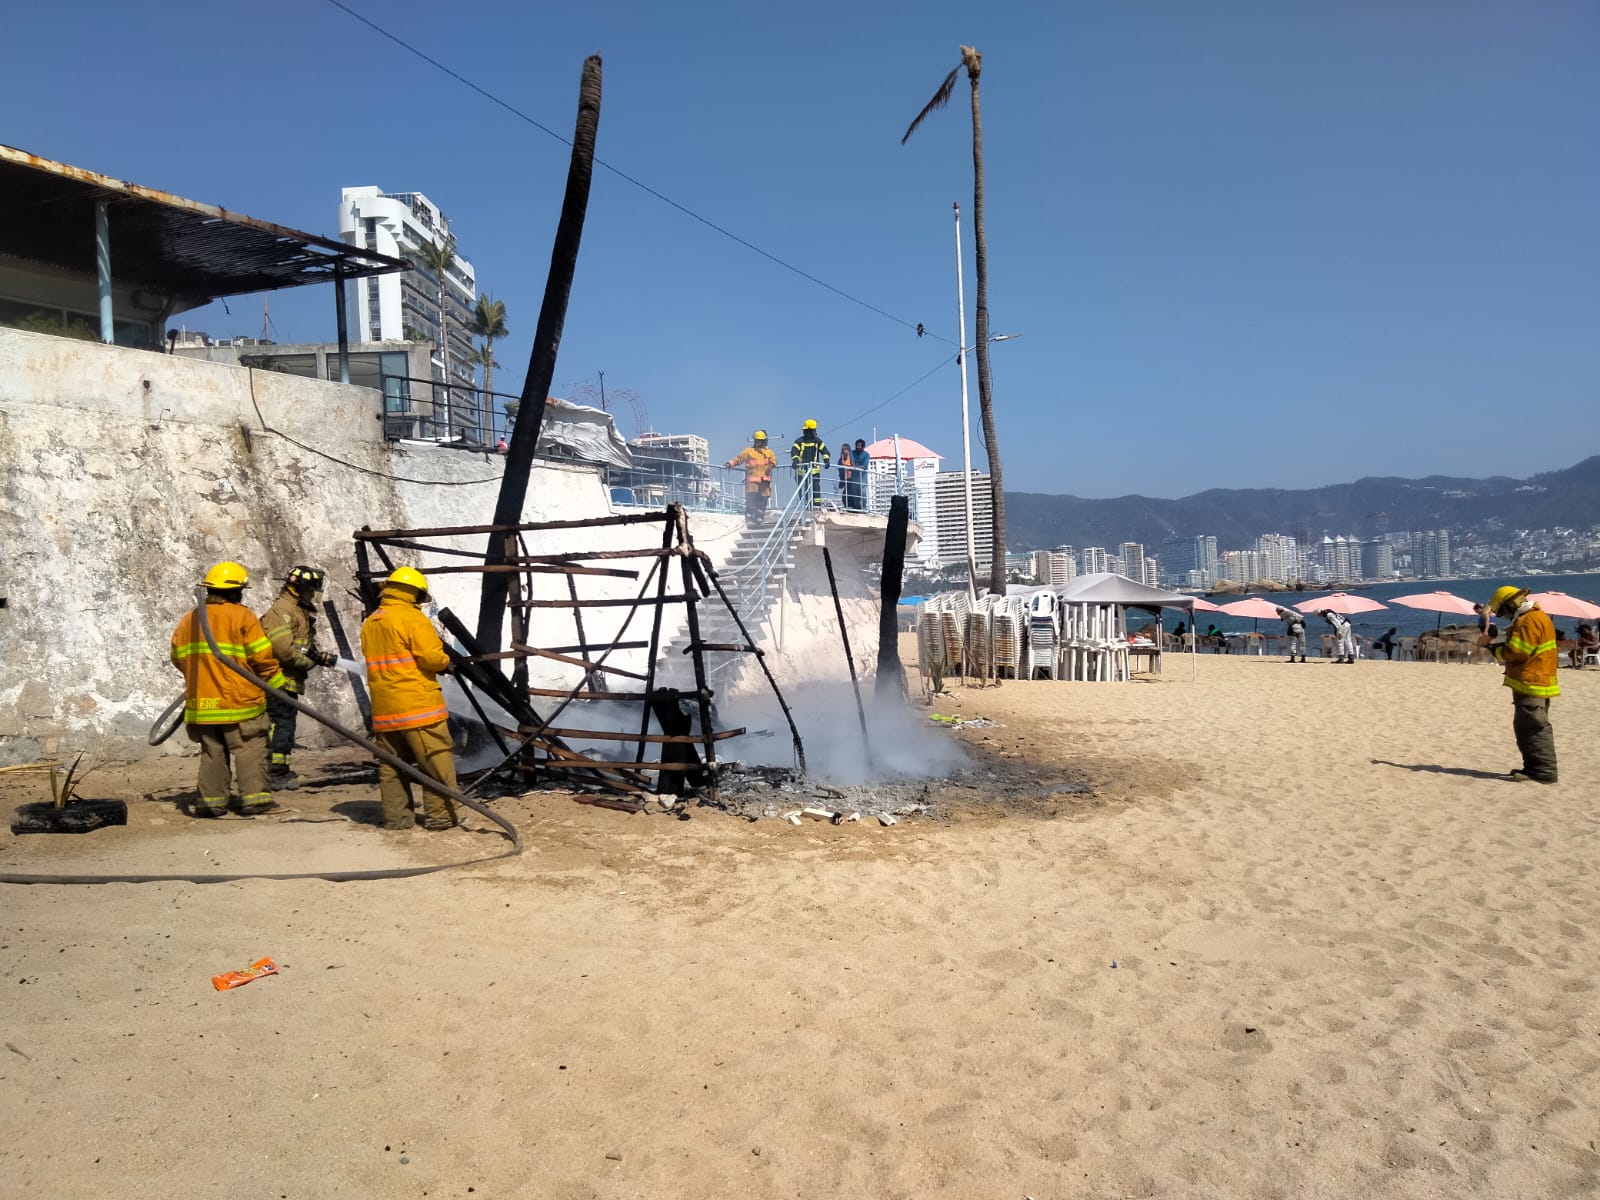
(891, 679)
(542, 360)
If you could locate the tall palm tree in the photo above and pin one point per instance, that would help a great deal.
(489, 323)
(973, 61)
(440, 258)
(483, 356)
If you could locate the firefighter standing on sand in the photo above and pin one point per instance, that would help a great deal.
(409, 719)
(1530, 655)
(223, 712)
(290, 624)
(758, 462)
(810, 456)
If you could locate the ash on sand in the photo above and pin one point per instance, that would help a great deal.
(914, 767)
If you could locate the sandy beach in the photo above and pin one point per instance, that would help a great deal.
(1300, 939)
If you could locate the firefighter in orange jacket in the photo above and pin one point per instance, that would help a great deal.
(409, 718)
(1530, 655)
(758, 462)
(223, 712)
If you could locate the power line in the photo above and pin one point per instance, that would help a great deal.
(640, 184)
(882, 404)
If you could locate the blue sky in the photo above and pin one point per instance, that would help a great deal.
(1247, 244)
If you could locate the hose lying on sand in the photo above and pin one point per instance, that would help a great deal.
(406, 769)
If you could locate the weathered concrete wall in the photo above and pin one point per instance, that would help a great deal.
(124, 474)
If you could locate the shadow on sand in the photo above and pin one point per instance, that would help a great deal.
(1436, 769)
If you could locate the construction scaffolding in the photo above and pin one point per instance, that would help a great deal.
(680, 756)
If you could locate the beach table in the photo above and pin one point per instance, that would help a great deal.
(1145, 650)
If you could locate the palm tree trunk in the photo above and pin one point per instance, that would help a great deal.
(542, 359)
(487, 417)
(997, 555)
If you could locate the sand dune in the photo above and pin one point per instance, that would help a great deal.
(1298, 942)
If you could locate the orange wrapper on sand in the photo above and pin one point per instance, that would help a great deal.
(233, 979)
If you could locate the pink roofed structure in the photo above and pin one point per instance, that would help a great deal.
(909, 450)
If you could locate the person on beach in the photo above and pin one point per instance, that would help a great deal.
(1386, 643)
(862, 461)
(1295, 623)
(846, 466)
(1486, 625)
(1588, 643)
(1217, 639)
(1530, 657)
(809, 457)
(224, 713)
(1344, 637)
(405, 658)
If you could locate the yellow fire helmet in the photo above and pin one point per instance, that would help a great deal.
(410, 577)
(226, 575)
(810, 425)
(759, 435)
(1503, 596)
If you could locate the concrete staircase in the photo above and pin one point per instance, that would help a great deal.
(741, 576)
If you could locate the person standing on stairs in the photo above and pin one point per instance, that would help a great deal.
(759, 462)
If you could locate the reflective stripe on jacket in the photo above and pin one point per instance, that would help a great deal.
(1530, 654)
(214, 695)
(289, 627)
(809, 452)
(404, 657)
(758, 465)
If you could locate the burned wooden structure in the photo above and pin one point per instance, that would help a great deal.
(679, 754)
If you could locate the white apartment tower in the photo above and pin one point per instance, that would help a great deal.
(950, 501)
(395, 308)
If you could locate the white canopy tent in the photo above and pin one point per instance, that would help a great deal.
(1103, 587)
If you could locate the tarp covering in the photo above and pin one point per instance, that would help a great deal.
(581, 434)
(1105, 588)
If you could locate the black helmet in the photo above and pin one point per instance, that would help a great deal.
(303, 581)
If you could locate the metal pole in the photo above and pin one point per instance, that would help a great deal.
(344, 332)
(102, 264)
(966, 421)
(844, 633)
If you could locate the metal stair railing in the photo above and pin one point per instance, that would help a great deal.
(748, 586)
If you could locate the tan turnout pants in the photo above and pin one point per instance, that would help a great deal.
(244, 746)
(428, 748)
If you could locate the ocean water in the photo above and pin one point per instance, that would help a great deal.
(1408, 621)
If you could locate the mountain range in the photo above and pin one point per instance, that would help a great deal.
(1366, 508)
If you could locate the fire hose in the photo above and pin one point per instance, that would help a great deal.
(404, 768)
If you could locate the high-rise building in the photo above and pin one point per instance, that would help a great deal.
(1180, 557)
(1132, 556)
(950, 500)
(1377, 559)
(405, 306)
(1095, 560)
(1053, 568)
(1435, 558)
(1152, 572)
(1280, 557)
(899, 466)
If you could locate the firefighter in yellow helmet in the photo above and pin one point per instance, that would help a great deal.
(224, 713)
(758, 462)
(409, 719)
(809, 456)
(291, 624)
(1530, 656)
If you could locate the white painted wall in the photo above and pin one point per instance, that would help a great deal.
(124, 474)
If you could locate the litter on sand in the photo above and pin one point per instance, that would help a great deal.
(233, 979)
(964, 722)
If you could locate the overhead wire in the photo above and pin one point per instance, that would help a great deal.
(935, 369)
(920, 330)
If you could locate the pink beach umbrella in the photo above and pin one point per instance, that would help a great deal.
(1439, 602)
(1559, 604)
(1251, 606)
(1340, 602)
(1206, 606)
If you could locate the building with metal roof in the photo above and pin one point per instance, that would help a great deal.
(86, 255)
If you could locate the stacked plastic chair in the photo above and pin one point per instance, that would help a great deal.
(1044, 636)
(1008, 632)
(1095, 645)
